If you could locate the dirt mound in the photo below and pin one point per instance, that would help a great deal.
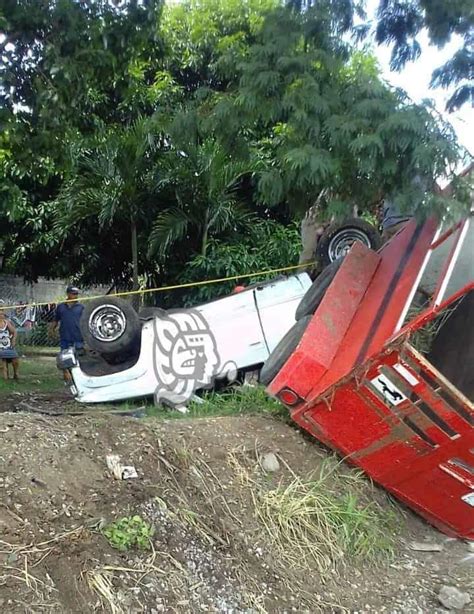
(220, 534)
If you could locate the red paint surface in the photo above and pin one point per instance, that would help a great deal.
(332, 320)
(422, 449)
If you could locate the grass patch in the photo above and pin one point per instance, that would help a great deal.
(33, 350)
(324, 521)
(235, 401)
(38, 374)
(321, 522)
(241, 400)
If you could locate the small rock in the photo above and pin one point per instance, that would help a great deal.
(270, 463)
(452, 598)
(470, 546)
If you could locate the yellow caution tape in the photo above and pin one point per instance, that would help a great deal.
(165, 288)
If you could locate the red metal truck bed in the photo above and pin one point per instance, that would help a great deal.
(359, 386)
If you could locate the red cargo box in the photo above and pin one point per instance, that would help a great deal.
(357, 383)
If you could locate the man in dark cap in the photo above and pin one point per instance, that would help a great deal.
(68, 316)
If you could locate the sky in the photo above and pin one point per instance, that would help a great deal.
(415, 79)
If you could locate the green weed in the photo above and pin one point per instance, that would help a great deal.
(129, 532)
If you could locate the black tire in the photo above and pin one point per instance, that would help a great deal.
(148, 313)
(314, 295)
(283, 351)
(124, 342)
(337, 239)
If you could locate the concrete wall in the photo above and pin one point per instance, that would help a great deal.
(13, 289)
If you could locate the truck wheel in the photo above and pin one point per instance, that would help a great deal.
(338, 238)
(283, 351)
(315, 293)
(111, 327)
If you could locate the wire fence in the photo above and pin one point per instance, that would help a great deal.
(34, 322)
(35, 325)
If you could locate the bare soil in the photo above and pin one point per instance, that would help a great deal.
(209, 551)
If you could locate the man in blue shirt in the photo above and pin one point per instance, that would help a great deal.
(68, 316)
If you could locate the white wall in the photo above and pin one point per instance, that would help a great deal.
(14, 289)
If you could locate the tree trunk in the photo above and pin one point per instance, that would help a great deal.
(311, 229)
(205, 233)
(133, 228)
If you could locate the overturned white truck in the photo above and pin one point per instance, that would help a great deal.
(170, 354)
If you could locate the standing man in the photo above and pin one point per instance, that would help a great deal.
(68, 316)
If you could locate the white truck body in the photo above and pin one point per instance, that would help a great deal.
(246, 327)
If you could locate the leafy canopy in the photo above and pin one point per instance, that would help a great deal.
(189, 139)
(314, 120)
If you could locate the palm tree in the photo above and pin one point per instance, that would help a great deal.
(111, 182)
(202, 180)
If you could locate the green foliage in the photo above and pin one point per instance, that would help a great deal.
(111, 176)
(258, 245)
(129, 532)
(319, 122)
(70, 72)
(111, 185)
(202, 179)
(398, 24)
(80, 63)
(197, 34)
(324, 520)
(237, 401)
(197, 133)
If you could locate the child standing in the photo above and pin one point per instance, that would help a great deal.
(8, 353)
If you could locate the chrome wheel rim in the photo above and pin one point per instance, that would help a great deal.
(342, 242)
(107, 323)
